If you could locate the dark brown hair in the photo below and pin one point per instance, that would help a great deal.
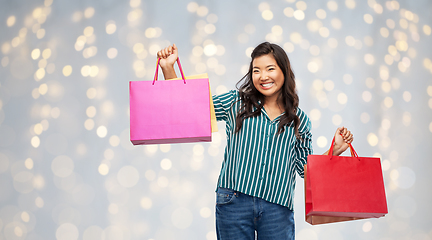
(250, 97)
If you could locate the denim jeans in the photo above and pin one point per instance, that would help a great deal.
(243, 217)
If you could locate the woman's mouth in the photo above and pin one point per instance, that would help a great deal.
(267, 85)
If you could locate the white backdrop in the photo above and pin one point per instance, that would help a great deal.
(68, 170)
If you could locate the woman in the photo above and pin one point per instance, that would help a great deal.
(268, 140)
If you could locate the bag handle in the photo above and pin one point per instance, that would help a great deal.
(157, 70)
(353, 152)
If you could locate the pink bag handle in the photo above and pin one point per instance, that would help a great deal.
(353, 152)
(157, 70)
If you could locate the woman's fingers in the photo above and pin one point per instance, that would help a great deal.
(166, 52)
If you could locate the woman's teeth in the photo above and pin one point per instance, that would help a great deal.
(267, 85)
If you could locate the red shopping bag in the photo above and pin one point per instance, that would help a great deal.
(341, 188)
(175, 111)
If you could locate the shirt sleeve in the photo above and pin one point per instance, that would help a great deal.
(303, 147)
(223, 105)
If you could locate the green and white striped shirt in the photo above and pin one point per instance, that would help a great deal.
(258, 161)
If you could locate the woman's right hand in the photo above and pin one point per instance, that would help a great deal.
(168, 56)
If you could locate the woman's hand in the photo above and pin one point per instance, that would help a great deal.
(168, 56)
(343, 138)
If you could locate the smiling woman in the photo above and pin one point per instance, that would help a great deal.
(268, 141)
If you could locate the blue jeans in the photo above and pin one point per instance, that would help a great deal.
(240, 217)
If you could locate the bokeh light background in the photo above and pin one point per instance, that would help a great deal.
(68, 170)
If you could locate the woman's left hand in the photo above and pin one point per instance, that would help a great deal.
(343, 138)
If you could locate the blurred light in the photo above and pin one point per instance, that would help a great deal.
(298, 14)
(55, 112)
(367, 96)
(212, 18)
(268, 15)
(364, 117)
(182, 218)
(315, 114)
(406, 118)
(198, 149)
(11, 21)
(321, 13)
(369, 59)
(386, 87)
(166, 164)
(378, 8)
(388, 102)
(192, 7)
(347, 78)
(403, 23)
(350, 4)
(337, 120)
(372, 139)
(336, 23)
(114, 140)
(40, 33)
(322, 141)
(135, 3)
(332, 6)
(209, 28)
(301, 5)
(38, 129)
(205, 212)
(67, 70)
(289, 47)
(91, 111)
(35, 142)
(406, 96)
(67, 229)
(165, 147)
(388, 59)
(35, 54)
(89, 124)
(368, 18)
(62, 166)
(101, 131)
(289, 12)
(324, 32)
(332, 42)
(202, 11)
(314, 50)
(128, 176)
(146, 203)
(29, 163)
(384, 32)
(342, 98)
(313, 67)
(427, 29)
(390, 23)
(89, 12)
(46, 53)
(295, 37)
(39, 202)
(367, 226)
(91, 93)
(103, 169)
(110, 27)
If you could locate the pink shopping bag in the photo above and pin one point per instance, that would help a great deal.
(175, 111)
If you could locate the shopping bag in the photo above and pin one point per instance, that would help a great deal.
(176, 111)
(214, 126)
(343, 188)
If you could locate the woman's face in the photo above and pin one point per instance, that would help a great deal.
(267, 77)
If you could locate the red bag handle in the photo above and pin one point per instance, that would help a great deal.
(157, 70)
(353, 152)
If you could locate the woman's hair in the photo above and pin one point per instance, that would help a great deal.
(250, 97)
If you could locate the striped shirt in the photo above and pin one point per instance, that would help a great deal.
(258, 161)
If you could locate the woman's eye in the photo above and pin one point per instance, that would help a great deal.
(271, 69)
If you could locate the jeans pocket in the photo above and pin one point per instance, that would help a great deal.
(225, 196)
